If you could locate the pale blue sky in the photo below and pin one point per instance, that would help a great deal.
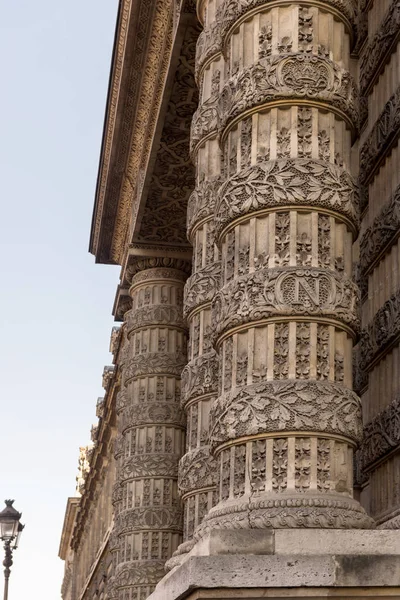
(55, 303)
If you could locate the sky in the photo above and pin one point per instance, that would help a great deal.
(55, 302)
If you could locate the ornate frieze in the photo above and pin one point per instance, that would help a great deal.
(161, 315)
(380, 335)
(200, 377)
(155, 363)
(383, 137)
(200, 288)
(152, 413)
(289, 77)
(283, 292)
(383, 42)
(383, 232)
(150, 517)
(286, 406)
(197, 470)
(149, 465)
(287, 182)
(140, 574)
(381, 435)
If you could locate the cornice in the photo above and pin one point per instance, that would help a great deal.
(69, 520)
(141, 55)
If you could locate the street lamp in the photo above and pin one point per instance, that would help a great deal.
(10, 531)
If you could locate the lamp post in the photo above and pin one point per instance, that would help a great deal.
(10, 531)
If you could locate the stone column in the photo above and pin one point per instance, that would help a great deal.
(151, 427)
(286, 422)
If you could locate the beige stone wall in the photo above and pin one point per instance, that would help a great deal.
(379, 260)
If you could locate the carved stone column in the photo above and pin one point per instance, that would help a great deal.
(286, 421)
(151, 426)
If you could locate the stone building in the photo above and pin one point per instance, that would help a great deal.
(248, 443)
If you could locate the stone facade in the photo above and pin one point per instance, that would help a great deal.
(249, 188)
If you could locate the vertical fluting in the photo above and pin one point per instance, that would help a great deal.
(151, 427)
(285, 106)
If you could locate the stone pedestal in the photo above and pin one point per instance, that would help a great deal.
(307, 563)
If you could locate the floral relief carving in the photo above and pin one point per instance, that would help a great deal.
(197, 470)
(286, 291)
(302, 464)
(149, 517)
(304, 132)
(258, 466)
(209, 43)
(282, 239)
(200, 377)
(323, 367)
(323, 465)
(281, 76)
(151, 413)
(265, 41)
(381, 333)
(285, 406)
(156, 315)
(149, 465)
(383, 137)
(283, 139)
(245, 142)
(279, 464)
(302, 350)
(306, 33)
(304, 249)
(381, 234)
(379, 45)
(276, 183)
(381, 435)
(151, 363)
(281, 351)
(200, 288)
(240, 471)
(201, 203)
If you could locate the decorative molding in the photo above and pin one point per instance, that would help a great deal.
(288, 513)
(154, 363)
(142, 268)
(139, 573)
(197, 470)
(200, 288)
(150, 517)
(286, 292)
(381, 140)
(382, 333)
(287, 182)
(200, 377)
(205, 122)
(381, 435)
(292, 405)
(381, 235)
(290, 77)
(152, 413)
(382, 44)
(163, 315)
(149, 465)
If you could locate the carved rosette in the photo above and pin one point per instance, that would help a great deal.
(151, 425)
(286, 422)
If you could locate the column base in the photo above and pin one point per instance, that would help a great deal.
(297, 563)
(278, 511)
